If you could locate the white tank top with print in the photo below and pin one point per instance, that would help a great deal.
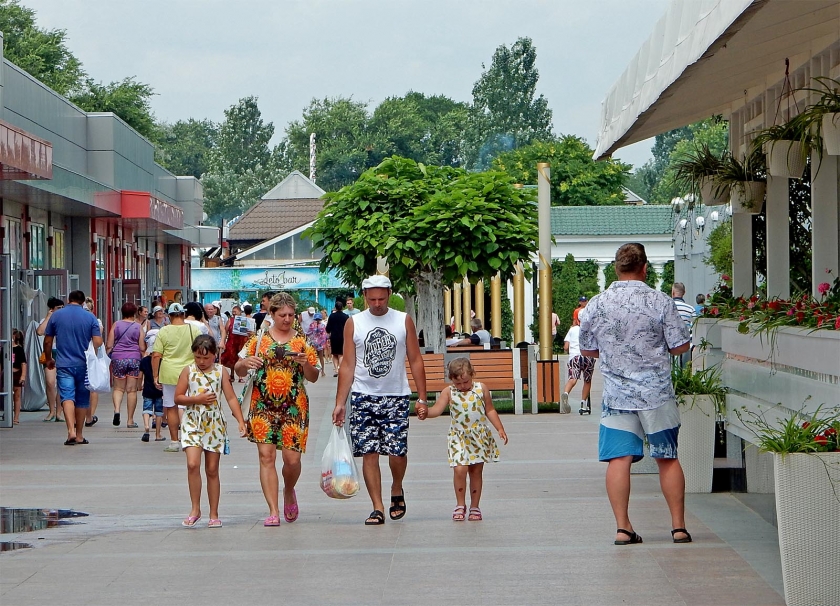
(380, 354)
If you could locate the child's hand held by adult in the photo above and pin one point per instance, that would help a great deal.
(243, 429)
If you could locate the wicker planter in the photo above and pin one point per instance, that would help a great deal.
(707, 193)
(808, 511)
(831, 134)
(786, 159)
(697, 442)
(748, 197)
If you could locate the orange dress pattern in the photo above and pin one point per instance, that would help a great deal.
(279, 408)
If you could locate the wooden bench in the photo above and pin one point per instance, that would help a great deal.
(499, 369)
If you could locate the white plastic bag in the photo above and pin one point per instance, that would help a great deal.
(98, 377)
(339, 476)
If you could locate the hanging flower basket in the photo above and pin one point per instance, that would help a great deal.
(697, 442)
(831, 133)
(713, 194)
(808, 513)
(748, 197)
(786, 158)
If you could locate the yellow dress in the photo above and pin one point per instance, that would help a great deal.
(204, 425)
(470, 437)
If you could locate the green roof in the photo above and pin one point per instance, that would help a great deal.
(627, 220)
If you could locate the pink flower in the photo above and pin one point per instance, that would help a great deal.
(837, 323)
(751, 304)
(726, 278)
(790, 312)
(824, 288)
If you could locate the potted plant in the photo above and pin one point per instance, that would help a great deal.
(697, 172)
(787, 146)
(746, 180)
(823, 117)
(806, 457)
(701, 397)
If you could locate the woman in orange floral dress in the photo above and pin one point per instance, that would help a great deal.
(278, 417)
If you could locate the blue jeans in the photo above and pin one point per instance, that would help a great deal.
(71, 385)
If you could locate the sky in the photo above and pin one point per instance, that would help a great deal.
(201, 56)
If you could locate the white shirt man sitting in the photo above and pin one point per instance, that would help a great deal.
(479, 336)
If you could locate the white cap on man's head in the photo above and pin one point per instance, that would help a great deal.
(311, 310)
(377, 281)
(217, 304)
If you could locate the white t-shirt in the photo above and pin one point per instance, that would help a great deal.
(201, 326)
(380, 354)
(573, 337)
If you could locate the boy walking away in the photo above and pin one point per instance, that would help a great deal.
(152, 396)
(579, 367)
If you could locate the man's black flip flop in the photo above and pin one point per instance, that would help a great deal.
(92, 422)
(84, 441)
(70, 442)
(397, 509)
(376, 518)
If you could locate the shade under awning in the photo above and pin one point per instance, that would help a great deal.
(701, 58)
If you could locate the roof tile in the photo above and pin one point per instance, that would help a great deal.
(611, 220)
(271, 218)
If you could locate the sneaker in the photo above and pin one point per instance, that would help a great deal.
(173, 447)
(564, 404)
(145, 437)
(116, 421)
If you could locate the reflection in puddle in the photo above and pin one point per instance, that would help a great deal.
(25, 520)
(11, 546)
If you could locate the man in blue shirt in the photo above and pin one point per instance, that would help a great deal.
(77, 328)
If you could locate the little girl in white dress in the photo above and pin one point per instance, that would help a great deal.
(470, 440)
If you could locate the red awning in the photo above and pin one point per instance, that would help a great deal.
(144, 210)
(23, 156)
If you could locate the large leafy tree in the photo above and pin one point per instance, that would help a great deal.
(506, 112)
(184, 146)
(576, 179)
(129, 99)
(242, 167)
(40, 52)
(433, 225)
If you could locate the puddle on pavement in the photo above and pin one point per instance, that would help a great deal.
(12, 546)
(13, 520)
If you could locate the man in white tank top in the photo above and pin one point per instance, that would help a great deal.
(373, 375)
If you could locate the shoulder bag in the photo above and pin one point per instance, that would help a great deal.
(247, 391)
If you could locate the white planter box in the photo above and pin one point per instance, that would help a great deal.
(786, 159)
(707, 193)
(696, 448)
(748, 197)
(831, 134)
(808, 513)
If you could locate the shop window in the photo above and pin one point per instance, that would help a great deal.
(128, 263)
(57, 251)
(12, 241)
(37, 246)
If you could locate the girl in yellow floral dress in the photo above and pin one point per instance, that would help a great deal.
(278, 414)
(203, 428)
(471, 442)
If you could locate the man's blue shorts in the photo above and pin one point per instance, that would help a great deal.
(379, 424)
(71, 385)
(622, 432)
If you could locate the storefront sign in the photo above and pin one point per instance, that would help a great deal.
(219, 279)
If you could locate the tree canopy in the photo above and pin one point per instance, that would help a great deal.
(184, 146)
(128, 99)
(432, 224)
(506, 112)
(576, 179)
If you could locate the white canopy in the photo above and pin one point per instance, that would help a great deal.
(706, 55)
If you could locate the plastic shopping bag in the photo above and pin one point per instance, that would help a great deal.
(98, 369)
(339, 477)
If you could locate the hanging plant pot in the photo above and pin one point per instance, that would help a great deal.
(831, 133)
(786, 159)
(748, 197)
(712, 194)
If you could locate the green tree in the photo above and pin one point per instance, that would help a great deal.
(433, 225)
(506, 112)
(344, 149)
(576, 179)
(184, 147)
(128, 99)
(667, 277)
(241, 165)
(720, 248)
(40, 52)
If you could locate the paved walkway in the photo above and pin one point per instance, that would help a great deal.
(546, 537)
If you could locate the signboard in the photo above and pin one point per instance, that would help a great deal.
(220, 279)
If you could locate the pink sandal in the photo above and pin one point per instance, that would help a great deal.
(459, 513)
(214, 523)
(272, 521)
(475, 514)
(190, 521)
(291, 512)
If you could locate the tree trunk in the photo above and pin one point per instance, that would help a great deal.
(430, 309)
(411, 307)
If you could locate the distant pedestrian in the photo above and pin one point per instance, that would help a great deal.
(350, 307)
(262, 315)
(91, 418)
(55, 414)
(580, 367)
(701, 304)
(470, 440)
(123, 345)
(18, 372)
(152, 396)
(686, 312)
(201, 386)
(217, 324)
(633, 328)
(335, 330)
(582, 301)
(306, 318)
(317, 335)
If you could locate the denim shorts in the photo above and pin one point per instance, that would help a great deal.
(71, 385)
(153, 406)
(622, 432)
(379, 424)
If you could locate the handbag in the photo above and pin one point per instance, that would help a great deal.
(98, 376)
(247, 391)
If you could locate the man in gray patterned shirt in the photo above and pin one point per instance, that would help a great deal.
(635, 330)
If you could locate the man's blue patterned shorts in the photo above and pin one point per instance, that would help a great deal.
(379, 424)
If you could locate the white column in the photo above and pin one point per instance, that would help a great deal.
(529, 309)
(602, 279)
(658, 268)
(743, 268)
(778, 237)
(825, 221)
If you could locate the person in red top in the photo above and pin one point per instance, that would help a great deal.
(581, 305)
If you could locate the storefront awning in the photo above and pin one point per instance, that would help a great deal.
(23, 156)
(704, 56)
(142, 210)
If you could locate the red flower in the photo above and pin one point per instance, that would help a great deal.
(800, 316)
(830, 431)
(806, 425)
(774, 305)
(824, 288)
(716, 311)
(821, 440)
(837, 323)
(726, 278)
